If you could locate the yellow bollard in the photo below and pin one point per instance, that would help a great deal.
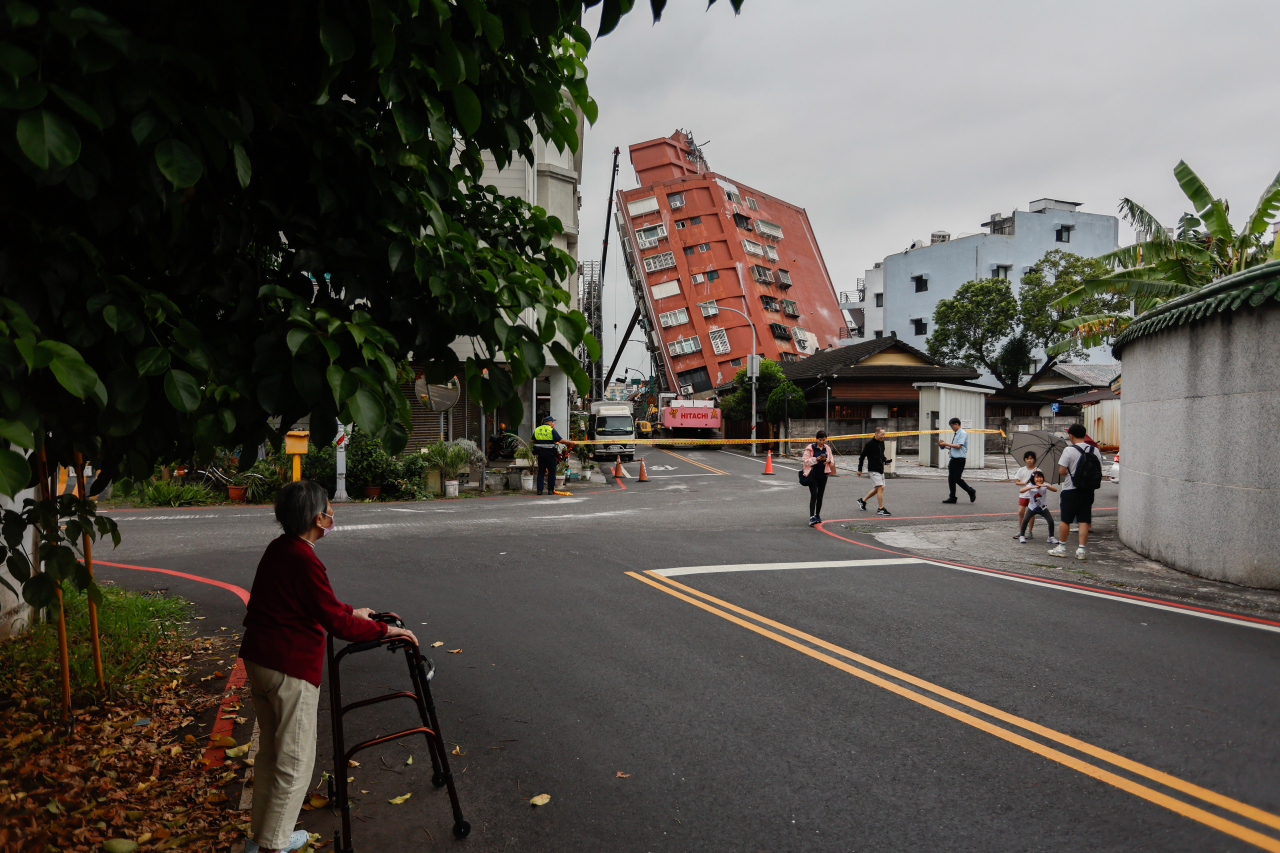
(295, 444)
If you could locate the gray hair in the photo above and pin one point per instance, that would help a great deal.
(298, 504)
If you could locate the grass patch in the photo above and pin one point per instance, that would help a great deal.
(131, 628)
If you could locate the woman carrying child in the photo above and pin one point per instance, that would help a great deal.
(1037, 493)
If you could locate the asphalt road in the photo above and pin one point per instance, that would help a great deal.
(887, 702)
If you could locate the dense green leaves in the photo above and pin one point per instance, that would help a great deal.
(48, 140)
(178, 163)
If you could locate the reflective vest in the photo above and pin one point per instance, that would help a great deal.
(543, 438)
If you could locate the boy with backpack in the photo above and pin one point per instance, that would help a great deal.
(1080, 466)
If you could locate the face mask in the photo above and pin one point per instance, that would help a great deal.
(325, 531)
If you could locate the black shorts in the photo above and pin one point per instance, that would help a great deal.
(1077, 506)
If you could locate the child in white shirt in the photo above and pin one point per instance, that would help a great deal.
(1037, 496)
(1022, 477)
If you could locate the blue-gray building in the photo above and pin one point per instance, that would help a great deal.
(916, 279)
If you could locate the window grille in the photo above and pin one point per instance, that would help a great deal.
(764, 275)
(696, 278)
(769, 303)
(768, 229)
(780, 331)
(784, 277)
(653, 263)
(674, 318)
(684, 346)
(771, 253)
(751, 247)
(789, 308)
(709, 309)
(751, 203)
(801, 338)
(675, 200)
(719, 341)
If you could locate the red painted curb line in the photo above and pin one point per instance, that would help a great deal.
(239, 591)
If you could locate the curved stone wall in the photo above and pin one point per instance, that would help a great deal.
(1200, 409)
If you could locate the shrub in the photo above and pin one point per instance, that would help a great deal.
(173, 493)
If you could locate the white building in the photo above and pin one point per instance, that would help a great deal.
(910, 283)
(551, 183)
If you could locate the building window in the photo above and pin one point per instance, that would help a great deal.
(742, 222)
(675, 200)
(879, 303)
(647, 238)
(719, 341)
(695, 220)
(735, 362)
(921, 327)
(783, 355)
(641, 206)
(680, 225)
(768, 229)
(688, 250)
(667, 288)
(1063, 234)
(733, 197)
(921, 283)
(709, 309)
(653, 263)
(784, 278)
(712, 275)
(879, 333)
(751, 247)
(751, 203)
(696, 278)
(769, 303)
(684, 346)
(704, 247)
(771, 253)
(764, 275)
(789, 308)
(674, 318)
(1001, 271)
(780, 331)
(694, 381)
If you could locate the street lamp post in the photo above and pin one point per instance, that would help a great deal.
(754, 379)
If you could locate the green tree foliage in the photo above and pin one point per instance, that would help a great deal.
(737, 406)
(1168, 262)
(221, 216)
(972, 327)
(785, 401)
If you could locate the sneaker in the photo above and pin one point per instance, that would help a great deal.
(862, 504)
(1031, 536)
(1058, 551)
(883, 511)
(950, 501)
(1022, 540)
(1080, 555)
(817, 519)
(1053, 540)
(813, 519)
(973, 495)
(296, 842)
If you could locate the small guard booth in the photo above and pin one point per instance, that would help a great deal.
(939, 403)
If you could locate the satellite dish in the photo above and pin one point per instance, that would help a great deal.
(437, 398)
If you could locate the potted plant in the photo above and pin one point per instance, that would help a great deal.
(525, 462)
(451, 457)
(238, 487)
(562, 472)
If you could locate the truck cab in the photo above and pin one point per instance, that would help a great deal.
(612, 423)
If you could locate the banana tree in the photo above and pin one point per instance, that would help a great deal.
(1169, 262)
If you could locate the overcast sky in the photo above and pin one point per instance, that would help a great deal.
(887, 121)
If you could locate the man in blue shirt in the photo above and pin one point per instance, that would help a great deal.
(959, 446)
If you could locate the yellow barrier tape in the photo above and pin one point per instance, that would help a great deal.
(830, 438)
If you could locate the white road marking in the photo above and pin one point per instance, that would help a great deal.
(669, 476)
(588, 514)
(773, 567)
(759, 459)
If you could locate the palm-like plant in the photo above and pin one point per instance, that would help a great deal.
(1171, 262)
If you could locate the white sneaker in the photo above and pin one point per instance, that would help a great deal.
(296, 842)
(1058, 552)
(1080, 555)
(1022, 540)
(1053, 540)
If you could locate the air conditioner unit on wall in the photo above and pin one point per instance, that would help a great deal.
(686, 389)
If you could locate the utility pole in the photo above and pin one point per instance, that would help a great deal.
(753, 371)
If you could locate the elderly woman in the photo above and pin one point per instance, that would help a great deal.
(291, 606)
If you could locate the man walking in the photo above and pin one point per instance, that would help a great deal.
(959, 446)
(873, 455)
(545, 439)
(1080, 467)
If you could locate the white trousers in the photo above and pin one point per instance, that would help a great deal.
(286, 710)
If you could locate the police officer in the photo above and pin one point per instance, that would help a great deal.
(545, 439)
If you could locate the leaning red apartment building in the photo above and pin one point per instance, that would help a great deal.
(697, 244)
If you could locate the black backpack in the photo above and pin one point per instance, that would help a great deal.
(1088, 475)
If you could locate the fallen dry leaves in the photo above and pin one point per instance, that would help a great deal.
(121, 780)
(540, 800)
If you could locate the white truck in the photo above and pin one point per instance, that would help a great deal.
(612, 422)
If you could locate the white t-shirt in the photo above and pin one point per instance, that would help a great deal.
(1023, 476)
(1070, 458)
(1038, 497)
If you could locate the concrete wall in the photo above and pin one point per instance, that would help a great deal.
(1200, 491)
(949, 265)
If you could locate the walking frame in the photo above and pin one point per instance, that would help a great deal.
(421, 672)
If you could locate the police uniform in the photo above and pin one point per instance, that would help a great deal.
(545, 439)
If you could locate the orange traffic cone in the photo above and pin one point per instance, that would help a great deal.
(620, 472)
(644, 475)
(768, 462)
(617, 467)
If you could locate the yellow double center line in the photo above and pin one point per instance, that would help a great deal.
(695, 462)
(1244, 833)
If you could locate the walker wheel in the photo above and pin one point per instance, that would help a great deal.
(461, 829)
(438, 779)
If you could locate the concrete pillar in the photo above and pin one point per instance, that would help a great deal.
(560, 400)
(340, 493)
